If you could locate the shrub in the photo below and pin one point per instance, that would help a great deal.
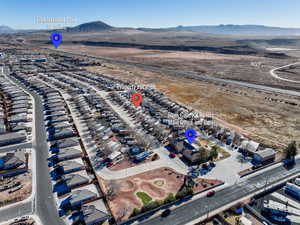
(135, 212)
(151, 205)
(159, 202)
(185, 192)
(170, 198)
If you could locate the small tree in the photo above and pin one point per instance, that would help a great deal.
(203, 155)
(214, 152)
(151, 205)
(291, 150)
(238, 221)
(170, 198)
(159, 202)
(135, 212)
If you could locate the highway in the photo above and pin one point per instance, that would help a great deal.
(189, 75)
(200, 207)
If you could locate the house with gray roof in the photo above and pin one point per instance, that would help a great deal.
(70, 166)
(81, 196)
(12, 138)
(91, 215)
(75, 180)
(13, 163)
(68, 153)
(64, 143)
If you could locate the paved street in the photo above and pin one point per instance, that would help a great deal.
(15, 211)
(45, 205)
(44, 202)
(197, 208)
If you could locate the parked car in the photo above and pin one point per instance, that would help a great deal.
(109, 164)
(166, 213)
(172, 155)
(210, 193)
(212, 164)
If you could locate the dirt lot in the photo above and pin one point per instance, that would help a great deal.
(19, 195)
(156, 184)
(23, 221)
(292, 73)
(127, 163)
(238, 67)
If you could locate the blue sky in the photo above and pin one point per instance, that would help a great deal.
(22, 14)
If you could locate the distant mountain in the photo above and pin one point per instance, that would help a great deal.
(5, 29)
(90, 27)
(253, 30)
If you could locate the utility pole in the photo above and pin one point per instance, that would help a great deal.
(207, 215)
(267, 179)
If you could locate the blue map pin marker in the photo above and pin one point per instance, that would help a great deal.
(56, 39)
(190, 135)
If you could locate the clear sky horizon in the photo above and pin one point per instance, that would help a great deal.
(153, 13)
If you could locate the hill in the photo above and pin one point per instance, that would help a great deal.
(90, 27)
(4, 29)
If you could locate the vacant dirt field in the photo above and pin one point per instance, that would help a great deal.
(24, 192)
(250, 68)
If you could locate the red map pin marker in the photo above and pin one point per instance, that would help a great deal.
(137, 99)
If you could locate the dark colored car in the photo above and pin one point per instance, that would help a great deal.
(172, 155)
(109, 164)
(210, 194)
(166, 213)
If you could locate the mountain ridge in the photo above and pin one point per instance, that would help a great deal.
(222, 29)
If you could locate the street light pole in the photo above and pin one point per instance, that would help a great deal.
(207, 215)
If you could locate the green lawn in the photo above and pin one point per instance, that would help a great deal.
(144, 197)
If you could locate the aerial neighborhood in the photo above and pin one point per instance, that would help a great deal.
(92, 148)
